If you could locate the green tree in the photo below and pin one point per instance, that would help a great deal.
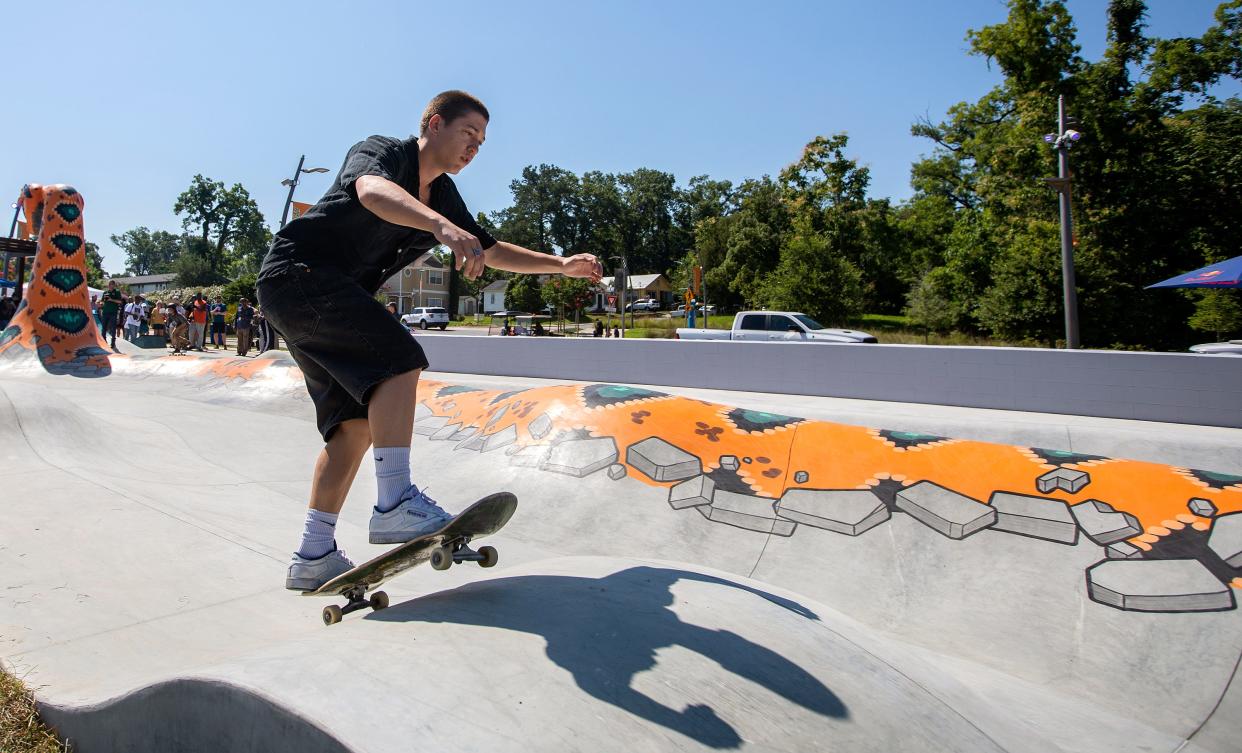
(96, 277)
(242, 287)
(929, 308)
(812, 278)
(566, 293)
(523, 294)
(147, 252)
(1218, 312)
(220, 218)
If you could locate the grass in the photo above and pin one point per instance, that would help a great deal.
(21, 730)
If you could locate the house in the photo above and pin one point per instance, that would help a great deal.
(146, 284)
(424, 282)
(638, 286)
(494, 296)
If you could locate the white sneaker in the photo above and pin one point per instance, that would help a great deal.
(416, 515)
(308, 575)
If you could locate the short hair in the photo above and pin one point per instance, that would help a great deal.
(451, 105)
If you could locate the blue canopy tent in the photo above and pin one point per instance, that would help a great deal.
(1225, 274)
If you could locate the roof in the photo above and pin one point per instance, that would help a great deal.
(145, 279)
(496, 287)
(636, 282)
(428, 261)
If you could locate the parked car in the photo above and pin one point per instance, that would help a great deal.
(427, 316)
(682, 308)
(643, 304)
(781, 326)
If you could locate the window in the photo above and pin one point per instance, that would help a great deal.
(435, 278)
(777, 323)
(755, 321)
(436, 302)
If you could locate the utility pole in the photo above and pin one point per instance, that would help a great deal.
(292, 183)
(1061, 141)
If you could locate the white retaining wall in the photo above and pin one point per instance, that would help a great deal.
(1174, 387)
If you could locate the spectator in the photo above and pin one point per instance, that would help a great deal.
(242, 323)
(392, 309)
(112, 301)
(134, 313)
(198, 321)
(158, 316)
(599, 328)
(95, 312)
(218, 311)
(178, 325)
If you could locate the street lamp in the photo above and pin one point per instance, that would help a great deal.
(13, 225)
(1062, 140)
(292, 183)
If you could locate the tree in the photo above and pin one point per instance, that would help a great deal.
(1155, 176)
(1218, 311)
(929, 308)
(814, 279)
(522, 294)
(567, 293)
(96, 277)
(148, 253)
(220, 217)
(193, 266)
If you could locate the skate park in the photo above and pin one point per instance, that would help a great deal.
(909, 548)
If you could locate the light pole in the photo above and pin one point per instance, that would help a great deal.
(1062, 140)
(13, 224)
(292, 183)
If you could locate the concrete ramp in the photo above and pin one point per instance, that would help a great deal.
(659, 588)
(683, 572)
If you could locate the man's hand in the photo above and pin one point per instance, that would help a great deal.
(583, 265)
(467, 251)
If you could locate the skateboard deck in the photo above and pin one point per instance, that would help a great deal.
(442, 548)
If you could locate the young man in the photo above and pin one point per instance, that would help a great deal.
(392, 200)
(241, 326)
(218, 312)
(135, 312)
(111, 309)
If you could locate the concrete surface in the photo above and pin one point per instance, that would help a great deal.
(148, 516)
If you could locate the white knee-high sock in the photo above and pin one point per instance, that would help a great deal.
(319, 536)
(392, 475)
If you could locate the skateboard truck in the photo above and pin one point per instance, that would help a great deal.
(357, 596)
(457, 551)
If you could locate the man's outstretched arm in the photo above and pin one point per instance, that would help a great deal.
(513, 258)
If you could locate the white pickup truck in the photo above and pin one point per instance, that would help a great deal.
(779, 326)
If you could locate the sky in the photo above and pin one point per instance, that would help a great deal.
(127, 101)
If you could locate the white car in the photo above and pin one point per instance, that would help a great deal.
(427, 316)
(682, 308)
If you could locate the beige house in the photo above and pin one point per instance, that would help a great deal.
(425, 282)
(146, 284)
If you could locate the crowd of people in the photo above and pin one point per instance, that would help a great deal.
(197, 324)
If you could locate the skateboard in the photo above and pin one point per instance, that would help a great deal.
(443, 549)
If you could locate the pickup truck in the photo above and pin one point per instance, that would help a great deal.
(779, 326)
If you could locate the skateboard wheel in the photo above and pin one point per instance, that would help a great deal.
(379, 600)
(490, 556)
(331, 614)
(442, 558)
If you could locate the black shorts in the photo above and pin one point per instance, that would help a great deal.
(345, 341)
(217, 328)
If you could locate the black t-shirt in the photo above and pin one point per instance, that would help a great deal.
(340, 232)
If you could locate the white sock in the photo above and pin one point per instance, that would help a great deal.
(392, 475)
(319, 537)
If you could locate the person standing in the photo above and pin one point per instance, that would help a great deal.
(112, 302)
(218, 312)
(197, 315)
(134, 313)
(158, 317)
(241, 325)
(392, 201)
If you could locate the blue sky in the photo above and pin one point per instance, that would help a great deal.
(127, 101)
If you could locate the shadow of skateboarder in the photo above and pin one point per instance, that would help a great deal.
(604, 631)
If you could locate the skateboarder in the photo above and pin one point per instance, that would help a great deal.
(392, 201)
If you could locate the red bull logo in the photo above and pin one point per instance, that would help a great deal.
(1208, 276)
